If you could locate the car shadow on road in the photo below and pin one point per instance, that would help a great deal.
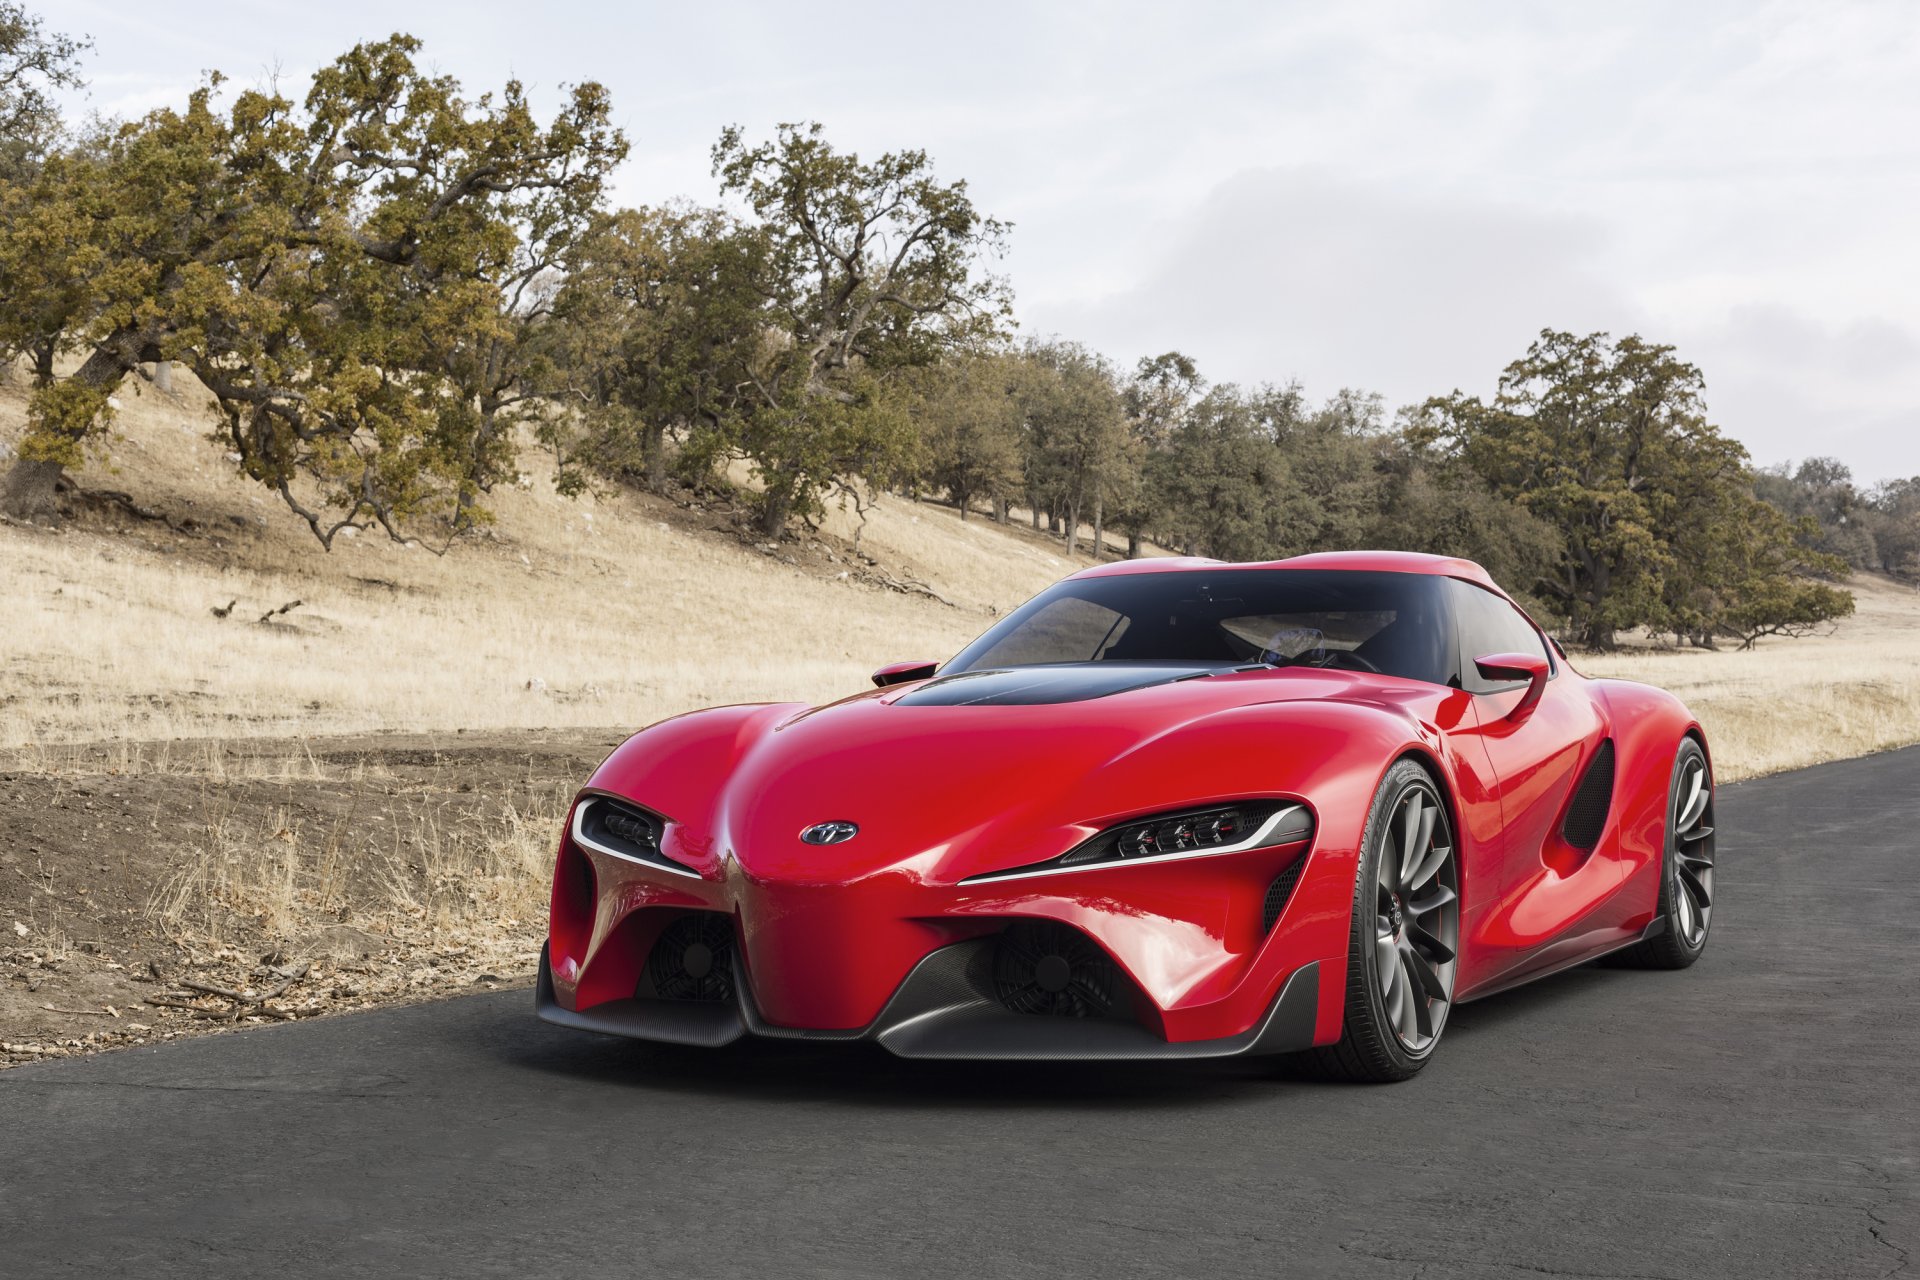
(780, 1071)
(858, 1073)
(1500, 1011)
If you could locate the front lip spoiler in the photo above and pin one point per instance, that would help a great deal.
(941, 1012)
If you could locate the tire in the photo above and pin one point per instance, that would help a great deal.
(1406, 929)
(1685, 910)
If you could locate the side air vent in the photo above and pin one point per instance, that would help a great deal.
(1587, 815)
(1043, 967)
(693, 960)
(1279, 891)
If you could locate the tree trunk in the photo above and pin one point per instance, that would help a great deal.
(999, 510)
(1073, 527)
(775, 507)
(1133, 545)
(963, 500)
(1099, 538)
(654, 457)
(29, 491)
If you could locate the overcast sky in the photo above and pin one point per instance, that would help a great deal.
(1393, 196)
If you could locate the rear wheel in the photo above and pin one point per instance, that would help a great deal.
(1406, 930)
(1686, 869)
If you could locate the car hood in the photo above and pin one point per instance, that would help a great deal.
(1024, 766)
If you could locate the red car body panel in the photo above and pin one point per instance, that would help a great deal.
(826, 935)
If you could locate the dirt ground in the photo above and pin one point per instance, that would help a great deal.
(341, 871)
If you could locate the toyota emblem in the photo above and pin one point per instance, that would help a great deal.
(829, 833)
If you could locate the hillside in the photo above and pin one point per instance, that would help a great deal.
(608, 610)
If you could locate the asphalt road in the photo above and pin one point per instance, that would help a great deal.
(1758, 1115)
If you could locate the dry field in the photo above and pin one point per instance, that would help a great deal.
(354, 801)
(1791, 703)
(576, 612)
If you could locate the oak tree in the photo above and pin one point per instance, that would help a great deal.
(871, 267)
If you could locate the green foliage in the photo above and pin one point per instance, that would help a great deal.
(869, 269)
(658, 326)
(1768, 584)
(971, 415)
(337, 273)
(62, 413)
(1220, 481)
(1436, 505)
(34, 62)
(1895, 510)
(1077, 455)
(1608, 443)
(1157, 400)
(1867, 529)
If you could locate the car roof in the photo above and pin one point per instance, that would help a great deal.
(1350, 561)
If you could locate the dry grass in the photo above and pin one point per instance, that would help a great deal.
(1790, 703)
(588, 612)
(421, 889)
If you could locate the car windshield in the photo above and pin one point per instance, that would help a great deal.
(1393, 623)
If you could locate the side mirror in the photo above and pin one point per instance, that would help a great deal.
(901, 672)
(1531, 667)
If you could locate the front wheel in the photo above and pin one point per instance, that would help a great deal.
(1686, 869)
(1406, 930)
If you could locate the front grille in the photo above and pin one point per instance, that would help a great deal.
(693, 960)
(1587, 814)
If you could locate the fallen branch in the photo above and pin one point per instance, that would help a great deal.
(245, 1004)
(288, 607)
(124, 501)
(905, 586)
(79, 1013)
(231, 1015)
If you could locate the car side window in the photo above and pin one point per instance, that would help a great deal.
(1489, 625)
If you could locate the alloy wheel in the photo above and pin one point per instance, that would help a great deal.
(1417, 921)
(1693, 854)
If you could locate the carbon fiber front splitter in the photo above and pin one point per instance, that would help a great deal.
(946, 1009)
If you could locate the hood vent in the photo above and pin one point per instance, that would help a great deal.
(1043, 684)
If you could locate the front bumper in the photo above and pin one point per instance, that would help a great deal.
(946, 1009)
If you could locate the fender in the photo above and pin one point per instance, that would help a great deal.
(1648, 724)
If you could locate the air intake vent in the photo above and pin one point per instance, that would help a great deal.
(693, 960)
(1047, 968)
(1587, 815)
(1279, 891)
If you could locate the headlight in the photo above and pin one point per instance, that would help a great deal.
(1182, 833)
(626, 831)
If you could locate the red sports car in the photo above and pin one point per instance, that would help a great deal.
(1166, 809)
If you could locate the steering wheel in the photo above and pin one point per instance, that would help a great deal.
(1347, 659)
